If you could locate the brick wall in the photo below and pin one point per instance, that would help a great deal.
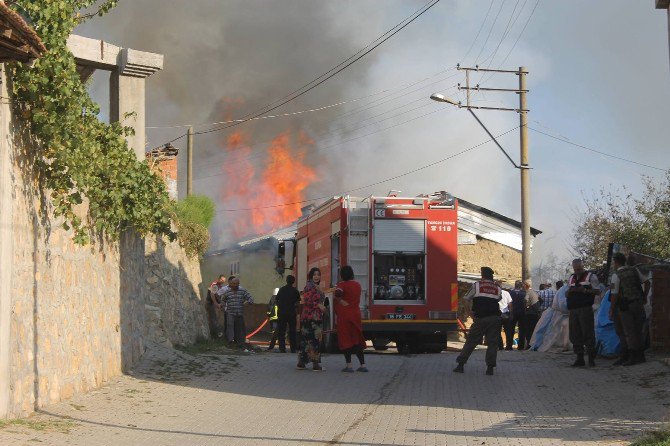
(166, 167)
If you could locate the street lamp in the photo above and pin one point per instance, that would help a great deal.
(525, 219)
(439, 97)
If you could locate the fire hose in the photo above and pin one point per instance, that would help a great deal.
(264, 323)
(462, 326)
(260, 327)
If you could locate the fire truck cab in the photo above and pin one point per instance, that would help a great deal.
(403, 252)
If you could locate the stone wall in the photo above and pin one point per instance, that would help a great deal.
(505, 261)
(175, 312)
(80, 315)
(73, 323)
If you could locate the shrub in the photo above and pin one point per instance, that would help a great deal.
(196, 209)
(193, 237)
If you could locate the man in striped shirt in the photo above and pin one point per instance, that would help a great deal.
(546, 296)
(235, 297)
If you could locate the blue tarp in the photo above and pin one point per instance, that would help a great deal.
(607, 341)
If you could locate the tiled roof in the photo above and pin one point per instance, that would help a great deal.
(18, 40)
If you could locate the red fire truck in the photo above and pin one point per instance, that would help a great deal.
(403, 252)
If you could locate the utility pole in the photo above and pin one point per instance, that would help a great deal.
(189, 163)
(525, 176)
(523, 164)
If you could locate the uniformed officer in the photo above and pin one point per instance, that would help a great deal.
(584, 287)
(485, 295)
(627, 309)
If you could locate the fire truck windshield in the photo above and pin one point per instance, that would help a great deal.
(399, 277)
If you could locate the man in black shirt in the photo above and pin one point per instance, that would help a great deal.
(288, 298)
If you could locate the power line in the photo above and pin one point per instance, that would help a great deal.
(502, 5)
(361, 53)
(331, 132)
(567, 141)
(386, 180)
(472, 45)
(507, 30)
(333, 72)
(324, 148)
(530, 16)
(282, 115)
(330, 73)
(323, 107)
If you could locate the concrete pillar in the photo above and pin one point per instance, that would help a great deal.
(127, 106)
(6, 244)
(127, 94)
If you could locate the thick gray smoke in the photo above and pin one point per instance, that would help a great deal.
(225, 59)
(586, 59)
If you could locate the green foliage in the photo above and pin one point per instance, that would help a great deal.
(642, 224)
(80, 159)
(193, 237)
(196, 209)
(657, 438)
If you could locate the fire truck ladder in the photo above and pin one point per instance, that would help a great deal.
(358, 244)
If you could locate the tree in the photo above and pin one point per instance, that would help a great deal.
(640, 223)
(550, 269)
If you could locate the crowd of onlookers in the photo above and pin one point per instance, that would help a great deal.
(540, 318)
(526, 316)
(624, 294)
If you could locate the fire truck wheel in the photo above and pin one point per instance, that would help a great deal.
(380, 344)
(403, 346)
(417, 347)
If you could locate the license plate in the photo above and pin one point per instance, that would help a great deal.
(402, 316)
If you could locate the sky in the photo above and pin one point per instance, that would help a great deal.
(598, 76)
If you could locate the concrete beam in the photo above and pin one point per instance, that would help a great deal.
(139, 63)
(94, 53)
(127, 88)
(99, 54)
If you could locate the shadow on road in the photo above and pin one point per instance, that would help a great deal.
(537, 395)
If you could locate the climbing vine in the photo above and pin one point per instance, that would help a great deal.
(80, 159)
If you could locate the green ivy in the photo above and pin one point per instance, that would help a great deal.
(80, 159)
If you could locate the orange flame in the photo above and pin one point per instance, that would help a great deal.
(277, 193)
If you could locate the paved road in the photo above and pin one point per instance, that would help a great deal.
(534, 399)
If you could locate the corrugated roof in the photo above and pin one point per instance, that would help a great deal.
(490, 225)
(280, 235)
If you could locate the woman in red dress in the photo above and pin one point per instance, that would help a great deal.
(349, 327)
